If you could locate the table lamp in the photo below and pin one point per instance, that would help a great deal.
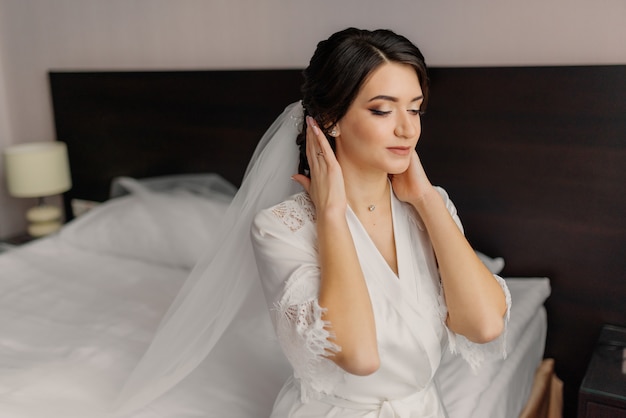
(38, 169)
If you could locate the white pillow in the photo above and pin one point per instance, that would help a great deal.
(173, 228)
(210, 185)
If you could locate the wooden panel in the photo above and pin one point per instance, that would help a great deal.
(596, 410)
(535, 160)
(603, 389)
(144, 124)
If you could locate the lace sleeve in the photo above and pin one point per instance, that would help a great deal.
(475, 354)
(306, 340)
(284, 240)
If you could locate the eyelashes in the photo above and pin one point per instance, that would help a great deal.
(376, 112)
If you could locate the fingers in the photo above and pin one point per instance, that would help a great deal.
(311, 149)
(319, 146)
(418, 168)
(303, 180)
(313, 125)
(325, 182)
(413, 183)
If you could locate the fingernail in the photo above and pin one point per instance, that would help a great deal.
(311, 122)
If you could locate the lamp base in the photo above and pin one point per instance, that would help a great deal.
(40, 229)
(44, 220)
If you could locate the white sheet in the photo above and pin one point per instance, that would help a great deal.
(72, 325)
(509, 390)
(501, 387)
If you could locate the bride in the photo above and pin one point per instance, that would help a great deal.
(366, 274)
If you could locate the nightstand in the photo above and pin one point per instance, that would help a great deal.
(602, 392)
(14, 241)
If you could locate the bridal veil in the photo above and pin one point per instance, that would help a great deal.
(224, 284)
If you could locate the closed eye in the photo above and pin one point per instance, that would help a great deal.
(377, 112)
(415, 112)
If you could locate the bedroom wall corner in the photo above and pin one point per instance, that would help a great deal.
(11, 210)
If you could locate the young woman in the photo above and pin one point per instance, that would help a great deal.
(366, 272)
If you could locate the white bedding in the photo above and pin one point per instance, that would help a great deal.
(502, 387)
(78, 309)
(72, 325)
(508, 392)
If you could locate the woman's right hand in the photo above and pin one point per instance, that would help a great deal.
(325, 187)
(343, 293)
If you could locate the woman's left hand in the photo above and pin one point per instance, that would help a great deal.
(413, 184)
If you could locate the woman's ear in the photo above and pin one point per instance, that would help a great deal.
(334, 132)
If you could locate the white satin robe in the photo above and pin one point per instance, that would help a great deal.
(409, 311)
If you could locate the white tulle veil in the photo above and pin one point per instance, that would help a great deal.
(221, 285)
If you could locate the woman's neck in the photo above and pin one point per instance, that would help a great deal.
(366, 193)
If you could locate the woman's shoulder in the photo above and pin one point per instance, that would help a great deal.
(294, 213)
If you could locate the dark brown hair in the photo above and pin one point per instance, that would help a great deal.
(338, 69)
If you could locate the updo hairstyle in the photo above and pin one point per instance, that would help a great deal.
(338, 69)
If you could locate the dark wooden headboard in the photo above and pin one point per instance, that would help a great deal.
(144, 124)
(535, 160)
(533, 157)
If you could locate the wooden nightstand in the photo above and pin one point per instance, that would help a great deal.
(14, 241)
(603, 389)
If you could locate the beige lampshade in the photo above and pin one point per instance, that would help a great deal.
(37, 169)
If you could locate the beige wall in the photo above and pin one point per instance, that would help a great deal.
(38, 35)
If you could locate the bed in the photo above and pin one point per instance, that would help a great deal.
(80, 307)
(71, 336)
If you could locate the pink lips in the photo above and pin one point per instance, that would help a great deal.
(400, 150)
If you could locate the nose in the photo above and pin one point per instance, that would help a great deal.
(407, 126)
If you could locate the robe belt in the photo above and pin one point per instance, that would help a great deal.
(415, 405)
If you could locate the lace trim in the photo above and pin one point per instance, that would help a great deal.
(475, 354)
(296, 211)
(305, 340)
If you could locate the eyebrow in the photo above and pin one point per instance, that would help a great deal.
(392, 99)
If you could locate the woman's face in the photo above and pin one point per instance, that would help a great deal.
(382, 125)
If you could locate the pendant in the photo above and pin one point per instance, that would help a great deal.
(371, 208)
